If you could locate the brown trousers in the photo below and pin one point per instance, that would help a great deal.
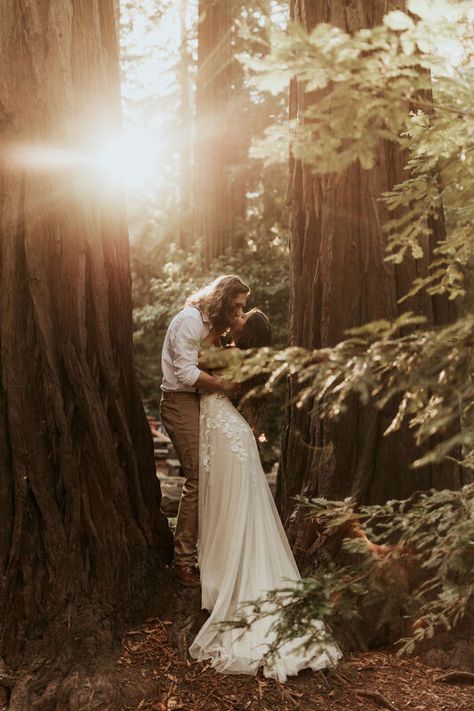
(180, 416)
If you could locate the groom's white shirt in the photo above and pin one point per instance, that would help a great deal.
(179, 357)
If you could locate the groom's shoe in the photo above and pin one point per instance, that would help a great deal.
(188, 575)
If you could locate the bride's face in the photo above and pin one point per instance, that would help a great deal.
(239, 321)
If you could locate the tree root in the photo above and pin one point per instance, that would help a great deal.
(339, 676)
(456, 675)
(377, 698)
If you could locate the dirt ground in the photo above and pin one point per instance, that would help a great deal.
(154, 677)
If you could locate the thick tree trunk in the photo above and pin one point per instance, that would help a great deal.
(82, 539)
(339, 280)
(219, 191)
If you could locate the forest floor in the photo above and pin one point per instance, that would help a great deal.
(155, 673)
(155, 676)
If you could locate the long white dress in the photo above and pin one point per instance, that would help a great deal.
(243, 551)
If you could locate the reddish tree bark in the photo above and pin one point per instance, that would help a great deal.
(82, 539)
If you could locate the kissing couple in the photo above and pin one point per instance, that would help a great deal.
(227, 519)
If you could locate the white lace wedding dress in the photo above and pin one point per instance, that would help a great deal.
(243, 551)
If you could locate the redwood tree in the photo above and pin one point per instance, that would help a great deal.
(339, 280)
(82, 539)
(219, 191)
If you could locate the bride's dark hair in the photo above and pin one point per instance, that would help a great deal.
(256, 333)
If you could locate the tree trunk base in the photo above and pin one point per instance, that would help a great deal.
(76, 691)
(54, 687)
(78, 671)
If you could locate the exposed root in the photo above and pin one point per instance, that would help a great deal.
(377, 698)
(456, 676)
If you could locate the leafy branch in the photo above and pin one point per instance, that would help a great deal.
(427, 373)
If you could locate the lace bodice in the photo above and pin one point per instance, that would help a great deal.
(217, 412)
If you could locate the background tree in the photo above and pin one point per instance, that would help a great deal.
(82, 539)
(340, 280)
(218, 199)
(186, 125)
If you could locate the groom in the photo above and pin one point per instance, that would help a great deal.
(210, 309)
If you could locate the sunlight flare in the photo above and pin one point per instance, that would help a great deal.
(128, 160)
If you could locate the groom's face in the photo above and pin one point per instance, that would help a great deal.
(238, 304)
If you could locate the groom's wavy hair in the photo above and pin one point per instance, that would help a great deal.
(216, 300)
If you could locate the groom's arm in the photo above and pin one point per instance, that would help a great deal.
(186, 355)
(206, 381)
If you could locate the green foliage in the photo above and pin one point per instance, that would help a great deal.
(426, 372)
(408, 81)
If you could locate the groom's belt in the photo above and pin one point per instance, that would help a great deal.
(172, 394)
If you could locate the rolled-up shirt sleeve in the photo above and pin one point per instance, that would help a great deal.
(186, 351)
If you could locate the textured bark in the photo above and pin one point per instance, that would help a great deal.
(82, 539)
(339, 280)
(219, 190)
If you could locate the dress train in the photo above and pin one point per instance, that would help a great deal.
(243, 552)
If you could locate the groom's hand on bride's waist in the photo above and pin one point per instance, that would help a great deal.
(214, 383)
(225, 386)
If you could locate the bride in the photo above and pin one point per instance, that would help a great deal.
(243, 551)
